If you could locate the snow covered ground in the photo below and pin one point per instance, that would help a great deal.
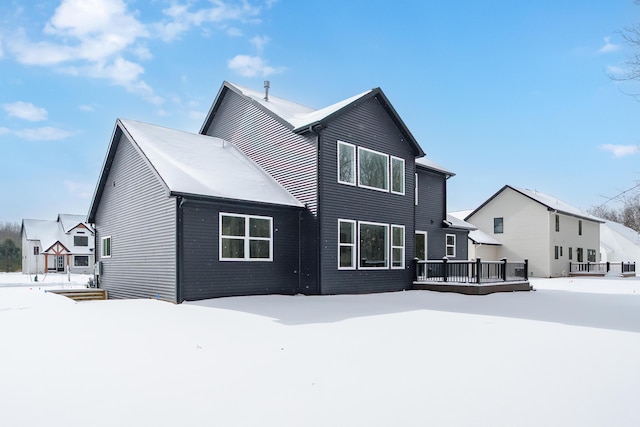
(565, 355)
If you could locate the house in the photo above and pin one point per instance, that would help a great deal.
(535, 226)
(60, 246)
(480, 244)
(269, 197)
(619, 243)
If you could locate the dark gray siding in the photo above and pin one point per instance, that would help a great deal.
(431, 211)
(203, 275)
(290, 158)
(141, 219)
(366, 125)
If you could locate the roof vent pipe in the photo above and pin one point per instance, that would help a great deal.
(266, 90)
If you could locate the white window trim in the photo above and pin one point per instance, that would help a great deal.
(102, 254)
(404, 178)
(404, 238)
(384, 190)
(246, 238)
(386, 246)
(447, 246)
(353, 166)
(415, 186)
(354, 249)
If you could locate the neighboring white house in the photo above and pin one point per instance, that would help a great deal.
(619, 243)
(60, 246)
(535, 226)
(480, 244)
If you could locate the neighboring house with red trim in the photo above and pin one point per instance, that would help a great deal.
(60, 246)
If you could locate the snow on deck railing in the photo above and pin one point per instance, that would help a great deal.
(475, 271)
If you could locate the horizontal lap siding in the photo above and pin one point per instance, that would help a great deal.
(366, 125)
(431, 212)
(289, 158)
(203, 275)
(141, 221)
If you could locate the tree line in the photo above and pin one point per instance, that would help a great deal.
(10, 247)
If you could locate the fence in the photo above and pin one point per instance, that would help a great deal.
(477, 271)
(626, 268)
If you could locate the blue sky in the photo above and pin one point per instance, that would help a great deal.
(500, 92)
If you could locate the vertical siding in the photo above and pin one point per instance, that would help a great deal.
(289, 158)
(366, 125)
(141, 220)
(203, 275)
(431, 212)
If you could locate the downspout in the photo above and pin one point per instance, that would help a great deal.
(179, 218)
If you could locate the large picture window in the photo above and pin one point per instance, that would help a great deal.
(245, 237)
(347, 244)
(397, 175)
(397, 246)
(106, 247)
(346, 163)
(451, 245)
(373, 169)
(374, 246)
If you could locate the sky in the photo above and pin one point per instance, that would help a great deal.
(498, 92)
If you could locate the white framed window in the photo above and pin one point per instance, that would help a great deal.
(373, 169)
(451, 245)
(374, 245)
(397, 246)
(245, 237)
(415, 189)
(81, 261)
(397, 175)
(106, 247)
(346, 163)
(346, 244)
(498, 225)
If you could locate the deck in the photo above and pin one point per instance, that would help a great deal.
(88, 294)
(472, 277)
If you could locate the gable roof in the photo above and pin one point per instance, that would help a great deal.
(301, 119)
(197, 165)
(69, 221)
(551, 203)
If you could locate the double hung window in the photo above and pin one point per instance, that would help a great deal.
(245, 237)
(347, 244)
(451, 245)
(106, 247)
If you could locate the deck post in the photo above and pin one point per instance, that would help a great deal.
(478, 269)
(503, 273)
(526, 269)
(416, 266)
(445, 270)
(608, 266)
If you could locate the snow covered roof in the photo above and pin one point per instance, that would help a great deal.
(300, 118)
(430, 164)
(47, 232)
(480, 237)
(628, 233)
(546, 200)
(202, 165)
(69, 221)
(454, 222)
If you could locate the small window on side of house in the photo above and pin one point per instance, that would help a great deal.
(498, 225)
(570, 253)
(591, 255)
(557, 222)
(346, 244)
(106, 247)
(397, 246)
(579, 227)
(80, 241)
(397, 175)
(556, 252)
(451, 245)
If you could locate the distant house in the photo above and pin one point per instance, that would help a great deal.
(619, 243)
(57, 246)
(535, 226)
(269, 197)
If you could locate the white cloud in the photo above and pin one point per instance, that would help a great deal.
(260, 42)
(4, 131)
(251, 66)
(616, 70)
(608, 46)
(26, 111)
(621, 150)
(87, 108)
(181, 18)
(46, 133)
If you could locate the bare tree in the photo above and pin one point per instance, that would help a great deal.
(628, 214)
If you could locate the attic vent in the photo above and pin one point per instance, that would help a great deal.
(266, 90)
